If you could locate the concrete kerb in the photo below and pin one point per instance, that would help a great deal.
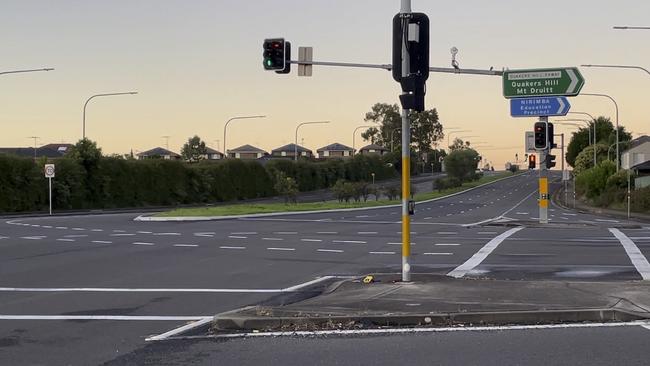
(247, 216)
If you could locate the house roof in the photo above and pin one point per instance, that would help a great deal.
(291, 148)
(642, 166)
(638, 142)
(373, 147)
(49, 151)
(212, 151)
(247, 149)
(158, 151)
(335, 147)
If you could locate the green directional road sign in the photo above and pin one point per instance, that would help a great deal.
(561, 81)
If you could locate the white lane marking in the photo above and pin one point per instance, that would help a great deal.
(522, 213)
(103, 317)
(75, 236)
(639, 261)
(348, 332)
(97, 230)
(612, 221)
(326, 232)
(569, 214)
(102, 242)
(245, 233)
(381, 253)
(273, 239)
(65, 240)
(119, 231)
(142, 243)
(367, 232)
(4, 237)
(180, 330)
(172, 290)
(349, 241)
(446, 233)
(78, 229)
(329, 250)
(33, 237)
(62, 227)
(167, 234)
(438, 253)
(204, 235)
(396, 243)
(237, 237)
(122, 235)
(35, 225)
(480, 256)
(144, 232)
(487, 232)
(640, 237)
(47, 227)
(447, 245)
(312, 240)
(186, 245)
(230, 247)
(285, 232)
(428, 218)
(282, 249)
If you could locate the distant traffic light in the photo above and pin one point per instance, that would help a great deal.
(550, 161)
(532, 161)
(541, 139)
(277, 55)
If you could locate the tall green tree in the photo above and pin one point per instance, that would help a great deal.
(459, 144)
(426, 129)
(194, 149)
(605, 134)
(462, 164)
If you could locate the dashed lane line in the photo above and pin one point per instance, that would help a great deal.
(437, 253)
(326, 232)
(446, 233)
(67, 240)
(102, 242)
(76, 236)
(285, 233)
(349, 242)
(282, 249)
(232, 247)
(447, 244)
(186, 245)
(167, 234)
(122, 235)
(237, 237)
(367, 232)
(329, 250)
(144, 232)
(62, 227)
(312, 240)
(97, 230)
(273, 239)
(382, 253)
(244, 233)
(33, 237)
(142, 243)
(487, 232)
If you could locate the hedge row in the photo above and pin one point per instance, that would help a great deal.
(111, 182)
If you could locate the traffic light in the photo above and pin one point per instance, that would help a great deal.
(277, 55)
(411, 30)
(551, 137)
(550, 161)
(532, 161)
(541, 139)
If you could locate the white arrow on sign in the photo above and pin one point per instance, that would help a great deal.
(562, 105)
(574, 80)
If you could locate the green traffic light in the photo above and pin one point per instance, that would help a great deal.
(269, 63)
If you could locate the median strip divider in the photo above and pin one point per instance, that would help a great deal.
(483, 253)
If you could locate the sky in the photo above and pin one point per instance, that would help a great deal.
(196, 63)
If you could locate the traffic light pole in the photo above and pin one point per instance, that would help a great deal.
(543, 180)
(406, 162)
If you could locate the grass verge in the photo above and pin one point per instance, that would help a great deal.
(261, 208)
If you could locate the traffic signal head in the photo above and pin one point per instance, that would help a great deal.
(551, 137)
(550, 161)
(532, 161)
(275, 55)
(541, 139)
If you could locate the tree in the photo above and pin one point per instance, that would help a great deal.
(585, 160)
(462, 164)
(194, 149)
(426, 129)
(286, 187)
(605, 134)
(459, 144)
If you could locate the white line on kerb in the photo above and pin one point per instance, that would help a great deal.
(638, 259)
(179, 330)
(480, 256)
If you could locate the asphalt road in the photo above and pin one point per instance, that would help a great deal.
(88, 290)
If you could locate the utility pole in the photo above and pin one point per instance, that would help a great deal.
(35, 138)
(406, 160)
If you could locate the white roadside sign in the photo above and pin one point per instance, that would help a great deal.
(530, 142)
(49, 170)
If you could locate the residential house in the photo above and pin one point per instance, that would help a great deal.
(51, 151)
(289, 151)
(213, 154)
(334, 150)
(158, 153)
(247, 152)
(373, 149)
(642, 172)
(637, 153)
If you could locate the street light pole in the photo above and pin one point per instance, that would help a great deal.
(35, 138)
(620, 67)
(295, 145)
(100, 95)
(626, 27)
(354, 135)
(616, 107)
(225, 151)
(588, 124)
(22, 71)
(594, 122)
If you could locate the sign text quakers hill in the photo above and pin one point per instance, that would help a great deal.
(542, 82)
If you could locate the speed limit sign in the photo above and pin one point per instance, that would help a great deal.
(49, 170)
